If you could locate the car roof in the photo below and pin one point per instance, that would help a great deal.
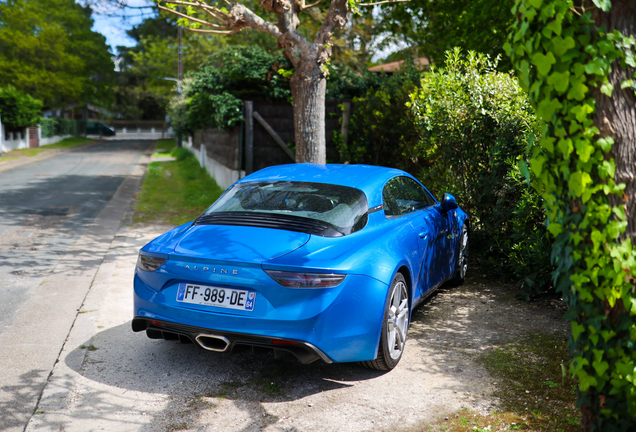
(368, 178)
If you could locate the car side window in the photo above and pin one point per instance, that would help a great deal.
(403, 195)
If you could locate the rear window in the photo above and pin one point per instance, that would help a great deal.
(342, 208)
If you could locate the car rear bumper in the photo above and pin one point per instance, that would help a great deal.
(342, 325)
(228, 341)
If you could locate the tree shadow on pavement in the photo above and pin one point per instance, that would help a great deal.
(183, 386)
(14, 397)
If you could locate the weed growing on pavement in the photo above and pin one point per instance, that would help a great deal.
(90, 347)
(175, 192)
(176, 426)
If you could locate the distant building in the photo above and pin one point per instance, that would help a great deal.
(422, 63)
(79, 112)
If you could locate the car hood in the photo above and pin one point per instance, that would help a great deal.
(238, 243)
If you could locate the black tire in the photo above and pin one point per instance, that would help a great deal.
(391, 347)
(461, 266)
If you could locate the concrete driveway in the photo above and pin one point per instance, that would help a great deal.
(109, 378)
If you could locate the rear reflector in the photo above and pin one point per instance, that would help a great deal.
(306, 280)
(157, 323)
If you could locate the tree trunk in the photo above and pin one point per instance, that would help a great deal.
(309, 93)
(616, 115)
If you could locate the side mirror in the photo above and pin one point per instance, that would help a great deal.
(448, 202)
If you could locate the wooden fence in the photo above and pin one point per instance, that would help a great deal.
(262, 140)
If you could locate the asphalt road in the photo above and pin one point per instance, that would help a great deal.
(57, 219)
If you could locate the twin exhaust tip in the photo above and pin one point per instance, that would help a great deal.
(212, 342)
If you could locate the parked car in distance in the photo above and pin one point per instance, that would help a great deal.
(325, 262)
(98, 128)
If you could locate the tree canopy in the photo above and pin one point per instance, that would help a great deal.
(434, 26)
(17, 109)
(48, 50)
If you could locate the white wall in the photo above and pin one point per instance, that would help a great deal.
(50, 140)
(13, 141)
(224, 176)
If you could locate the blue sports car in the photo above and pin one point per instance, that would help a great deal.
(325, 262)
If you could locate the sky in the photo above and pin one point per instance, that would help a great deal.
(113, 22)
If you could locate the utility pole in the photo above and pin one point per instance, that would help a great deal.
(180, 70)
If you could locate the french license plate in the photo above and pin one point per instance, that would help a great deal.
(215, 296)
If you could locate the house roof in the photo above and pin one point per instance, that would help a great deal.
(422, 62)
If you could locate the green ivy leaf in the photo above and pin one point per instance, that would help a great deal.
(577, 329)
(607, 89)
(597, 66)
(597, 238)
(577, 90)
(547, 143)
(536, 163)
(547, 108)
(555, 229)
(543, 62)
(566, 147)
(536, 3)
(604, 5)
(559, 81)
(555, 26)
(581, 111)
(584, 149)
(606, 144)
(578, 182)
(562, 45)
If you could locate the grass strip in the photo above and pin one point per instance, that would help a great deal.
(69, 142)
(175, 192)
(30, 152)
(535, 391)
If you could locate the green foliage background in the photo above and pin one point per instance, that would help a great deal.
(213, 96)
(48, 50)
(17, 109)
(561, 56)
(59, 126)
(463, 129)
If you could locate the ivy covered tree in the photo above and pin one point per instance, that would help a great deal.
(309, 56)
(576, 59)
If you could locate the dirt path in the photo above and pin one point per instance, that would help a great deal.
(113, 379)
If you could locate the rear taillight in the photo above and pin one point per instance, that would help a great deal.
(306, 280)
(149, 263)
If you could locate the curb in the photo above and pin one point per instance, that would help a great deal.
(5, 166)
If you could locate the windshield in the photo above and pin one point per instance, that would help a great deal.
(343, 208)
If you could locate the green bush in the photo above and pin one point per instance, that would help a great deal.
(48, 126)
(19, 110)
(477, 125)
(213, 97)
(59, 126)
(382, 126)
